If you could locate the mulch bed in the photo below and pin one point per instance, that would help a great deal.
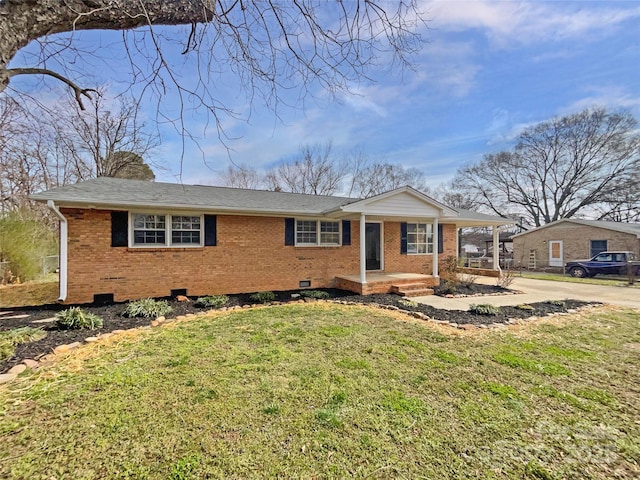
(113, 318)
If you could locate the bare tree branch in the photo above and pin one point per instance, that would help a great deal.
(77, 91)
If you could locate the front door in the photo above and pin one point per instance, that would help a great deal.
(373, 246)
(555, 253)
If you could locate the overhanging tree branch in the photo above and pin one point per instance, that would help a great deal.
(78, 91)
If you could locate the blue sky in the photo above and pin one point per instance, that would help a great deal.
(488, 70)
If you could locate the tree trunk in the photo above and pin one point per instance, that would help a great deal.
(24, 21)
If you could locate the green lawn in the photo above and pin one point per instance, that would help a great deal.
(599, 280)
(322, 391)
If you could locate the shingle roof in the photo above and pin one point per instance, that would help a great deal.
(481, 217)
(631, 228)
(105, 191)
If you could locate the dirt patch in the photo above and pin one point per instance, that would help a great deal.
(113, 318)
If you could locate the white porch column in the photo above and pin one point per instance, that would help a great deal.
(363, 253)
(496, 247)
(435, 247)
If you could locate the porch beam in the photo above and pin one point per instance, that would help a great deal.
(496, 248)
(435, 247)
(363, 253)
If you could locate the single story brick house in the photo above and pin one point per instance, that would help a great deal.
(128, 239)
(554, 244)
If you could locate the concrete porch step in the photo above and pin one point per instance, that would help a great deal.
(412, 289)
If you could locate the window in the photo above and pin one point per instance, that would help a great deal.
(149, 229)
(317, 232)
(185, 230)
(603, 257)
(598, 246)
(329, 233)
(166, 230)
(419, 238)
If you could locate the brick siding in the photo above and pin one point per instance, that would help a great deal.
(576, 242)
(250, 256)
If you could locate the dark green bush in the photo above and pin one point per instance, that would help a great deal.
(484, 309)
(319, 294)
(263, 297)
(212, 301)
(75, 318)
(147, 307)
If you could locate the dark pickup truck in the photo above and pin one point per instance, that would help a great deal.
(606, 263)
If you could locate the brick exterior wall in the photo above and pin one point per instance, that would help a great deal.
(250, 256)
(576, 242)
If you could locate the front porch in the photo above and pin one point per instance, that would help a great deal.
(405, 284)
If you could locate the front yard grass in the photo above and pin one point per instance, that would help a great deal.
(599, 280)
(327, 391)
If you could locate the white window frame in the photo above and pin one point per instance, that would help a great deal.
(167, 229)
(428, 243)
(318, 242)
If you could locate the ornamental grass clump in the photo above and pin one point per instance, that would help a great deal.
(263, 297)
(484, 309)
(75, 318)
(147, 307)
(319, 294)
(9, 339)
(212, 301)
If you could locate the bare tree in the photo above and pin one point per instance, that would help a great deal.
(455, 197)
(269, 46)
(316, 172)
(374, 178)
(105, 140)
(25, 153)
(242, 176)
(560, 168)
(41, 148)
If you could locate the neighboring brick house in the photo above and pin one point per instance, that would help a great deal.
(128, 239)
(554, 244)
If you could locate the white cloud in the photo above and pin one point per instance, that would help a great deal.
(610, 96)
(510, 22)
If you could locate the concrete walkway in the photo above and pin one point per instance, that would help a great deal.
(539, 291)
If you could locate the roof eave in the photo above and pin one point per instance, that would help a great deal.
(115, 205)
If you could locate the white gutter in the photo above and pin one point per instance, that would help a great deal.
(64, 235)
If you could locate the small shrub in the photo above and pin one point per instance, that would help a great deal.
(506, 278)
(147, 307)
(319, 294)
(484, 309)
(212, 301)
(524, 306)
(557, 303)
(408, 303)
(263, 297)
(448, 270)
(75, 318)
(11, 338)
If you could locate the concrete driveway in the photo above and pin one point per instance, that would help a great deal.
(539, 291)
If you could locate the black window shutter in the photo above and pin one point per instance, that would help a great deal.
(440, 239)
(403, 237)
(119, 229)
(210, 231)
(289, 231)
(346, 232)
